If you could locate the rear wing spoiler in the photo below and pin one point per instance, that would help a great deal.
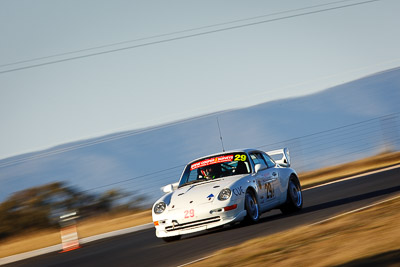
(281, 156)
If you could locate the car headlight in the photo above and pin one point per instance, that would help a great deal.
(159, 207)
(224, 194)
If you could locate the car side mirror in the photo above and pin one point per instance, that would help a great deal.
(169, 188)
(259, 167)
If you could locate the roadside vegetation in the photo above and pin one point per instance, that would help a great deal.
(40, 207)
(29, 217)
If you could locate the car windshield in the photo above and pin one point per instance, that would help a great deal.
(215, 167)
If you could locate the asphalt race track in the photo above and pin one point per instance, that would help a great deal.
(144, 249)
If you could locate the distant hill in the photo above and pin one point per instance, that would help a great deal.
(319, 129)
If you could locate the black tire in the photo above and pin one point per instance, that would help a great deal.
(252, 207)
(294, 199)
(171, 238)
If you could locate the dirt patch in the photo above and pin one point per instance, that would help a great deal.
(29, 241)
(93, 226)
(108, 223)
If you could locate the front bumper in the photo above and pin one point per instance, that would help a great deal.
(171, 227)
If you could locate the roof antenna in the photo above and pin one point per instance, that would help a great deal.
(220, 136)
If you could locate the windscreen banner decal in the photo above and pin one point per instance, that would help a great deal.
(207, 162)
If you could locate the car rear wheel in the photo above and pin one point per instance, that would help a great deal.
(252, 207)
(294, 199)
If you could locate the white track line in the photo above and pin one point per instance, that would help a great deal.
(201, 259)
(354, 177)
(58, 247)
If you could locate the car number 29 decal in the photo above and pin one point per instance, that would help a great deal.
(270, 190)
(240, 157)
(189, 213)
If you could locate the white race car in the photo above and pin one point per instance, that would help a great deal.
(226, 188)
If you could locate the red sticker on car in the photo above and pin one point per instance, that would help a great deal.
(211, 161)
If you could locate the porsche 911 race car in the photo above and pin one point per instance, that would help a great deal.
(226, 188)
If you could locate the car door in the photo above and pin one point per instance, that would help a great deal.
(276, 173)
(266, 181)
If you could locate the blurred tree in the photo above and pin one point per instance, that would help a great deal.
(40, 207)
(33, 208)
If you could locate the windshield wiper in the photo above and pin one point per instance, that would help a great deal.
(192, 182)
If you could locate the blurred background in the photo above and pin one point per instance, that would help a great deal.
(125, 171)
(140, 92)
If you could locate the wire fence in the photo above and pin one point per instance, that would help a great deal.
(328, 148)
(343, 144)
(309, 152)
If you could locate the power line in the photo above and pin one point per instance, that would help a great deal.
(326, 131)
(96, 141)
(169, 34)
(134, 178)
(179, 37)
(163, 174)
(167, 173)
(115, 137)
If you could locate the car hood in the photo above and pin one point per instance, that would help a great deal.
(200, 193)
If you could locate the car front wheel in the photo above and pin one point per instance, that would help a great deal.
(252, 207)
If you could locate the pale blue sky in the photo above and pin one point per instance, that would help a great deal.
(53, 104)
